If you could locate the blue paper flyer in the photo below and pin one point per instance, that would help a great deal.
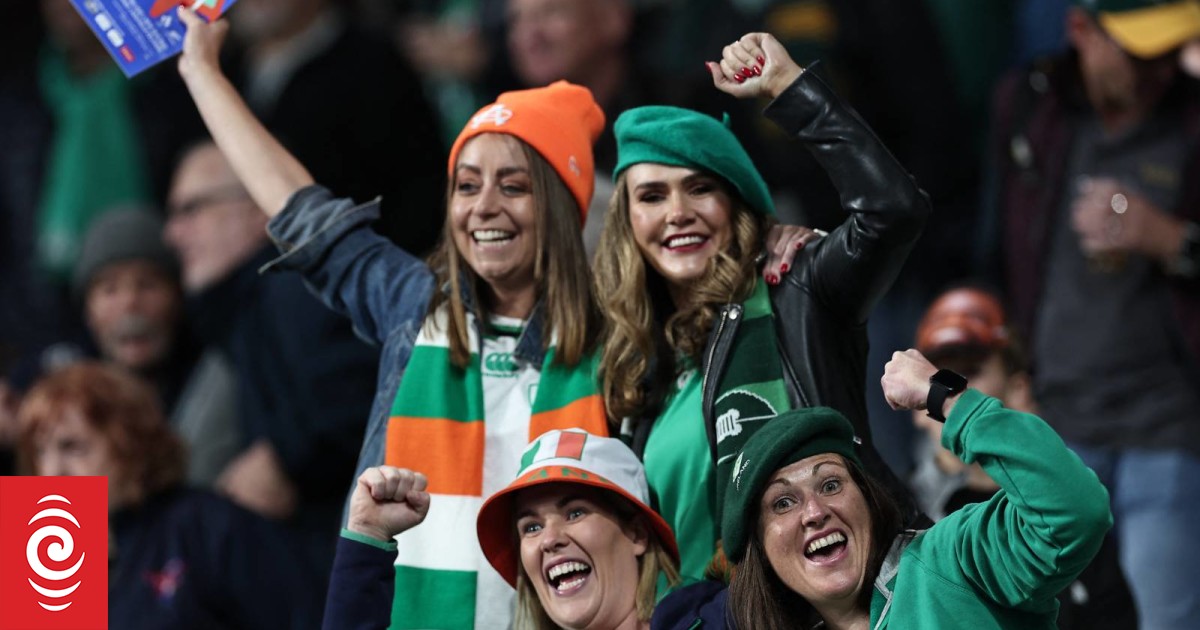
(141, 33)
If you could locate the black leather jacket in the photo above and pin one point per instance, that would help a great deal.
(821, 307)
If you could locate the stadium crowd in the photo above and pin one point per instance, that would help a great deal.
(610, 314)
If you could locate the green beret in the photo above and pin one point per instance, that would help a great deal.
(785, 439)
(681, 137)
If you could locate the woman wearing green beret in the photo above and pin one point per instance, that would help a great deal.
(699, 350)
(817, 540)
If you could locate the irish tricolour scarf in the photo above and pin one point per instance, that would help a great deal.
(438, 427)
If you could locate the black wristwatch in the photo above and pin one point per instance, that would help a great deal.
(942, 385)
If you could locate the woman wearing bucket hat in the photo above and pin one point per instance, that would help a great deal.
(500, 324)
(692, 332)
(817, 540)
(573, 533)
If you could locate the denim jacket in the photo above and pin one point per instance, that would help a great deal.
(384, 290)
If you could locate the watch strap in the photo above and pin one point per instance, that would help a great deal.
(943, 384)
(936, 400)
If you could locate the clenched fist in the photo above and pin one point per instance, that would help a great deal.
(387, 501)
(906, 380)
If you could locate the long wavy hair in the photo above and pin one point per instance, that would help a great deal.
(118, 405)
(758, 598)
(645, 334)
(655, 561)
(564, 285)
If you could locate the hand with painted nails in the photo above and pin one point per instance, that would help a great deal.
(782, 244)
(388, 501)
(756, 65)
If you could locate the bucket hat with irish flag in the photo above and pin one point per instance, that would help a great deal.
(566, 457)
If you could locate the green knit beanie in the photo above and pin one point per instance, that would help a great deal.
(784, 440)
(681, 137)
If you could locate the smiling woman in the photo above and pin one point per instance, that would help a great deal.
(487, 344)
(699, 350)
(585, 549)
(573, 533)
(818, 543)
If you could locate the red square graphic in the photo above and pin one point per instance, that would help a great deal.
(53, 553)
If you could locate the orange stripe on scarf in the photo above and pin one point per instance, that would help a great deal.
(586, 413)
(448, 452)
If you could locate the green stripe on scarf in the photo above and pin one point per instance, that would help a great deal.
(433, 599)
(752, 389)
(561, 385)
(425, 396)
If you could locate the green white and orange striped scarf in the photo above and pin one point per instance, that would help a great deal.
(437, 427)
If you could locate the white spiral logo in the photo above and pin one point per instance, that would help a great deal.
(59, 551)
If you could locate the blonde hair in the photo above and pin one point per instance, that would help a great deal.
(531, 615)
(561, 272)
(642, 327)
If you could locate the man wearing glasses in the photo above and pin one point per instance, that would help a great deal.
(304, 381)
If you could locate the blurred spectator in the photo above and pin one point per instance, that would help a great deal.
(178, 558)
(966, 330)
(1098, 196)
(348, 106)
(128, 282)
(447, 45)
(79, 137)
(305, 382)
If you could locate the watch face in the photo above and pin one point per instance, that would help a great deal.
(953, 381)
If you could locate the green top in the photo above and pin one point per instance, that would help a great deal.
(681, 476)
(95, 162)
(998, 564)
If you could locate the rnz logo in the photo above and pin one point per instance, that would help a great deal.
(54, 586)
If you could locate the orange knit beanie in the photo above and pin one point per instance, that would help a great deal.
(560, 121)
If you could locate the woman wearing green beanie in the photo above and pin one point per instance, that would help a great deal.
(818, 542)
(699, 351)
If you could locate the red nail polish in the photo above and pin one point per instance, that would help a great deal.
(800, 245)
(783, 268)
(773, 279)
(761, 61)
(757, 71)
(746, 73)
(738, 78)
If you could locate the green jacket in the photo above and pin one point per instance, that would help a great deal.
(997, 564)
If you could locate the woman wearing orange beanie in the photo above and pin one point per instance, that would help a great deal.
(498, 327)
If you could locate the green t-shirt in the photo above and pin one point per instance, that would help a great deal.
(680, 472)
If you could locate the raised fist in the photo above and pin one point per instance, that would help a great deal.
(387, 501)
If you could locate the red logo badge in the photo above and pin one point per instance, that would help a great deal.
(53, 553)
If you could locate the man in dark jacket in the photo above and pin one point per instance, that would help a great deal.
(305, 383)
(1098, 195)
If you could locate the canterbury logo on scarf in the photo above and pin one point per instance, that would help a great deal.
(438, 427)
